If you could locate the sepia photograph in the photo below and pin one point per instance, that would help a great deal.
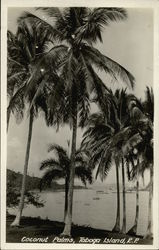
(79, 127)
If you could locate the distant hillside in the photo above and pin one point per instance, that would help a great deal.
(15, 179)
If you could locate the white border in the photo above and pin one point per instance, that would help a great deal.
(91, 3)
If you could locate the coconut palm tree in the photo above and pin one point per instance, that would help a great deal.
(102, 126)
(59, 167)
(142, 113)
(109, 138)
(24, 52)
(133, 173)
(141, 119)
(148, 105)
(76, 30)
(95, 140)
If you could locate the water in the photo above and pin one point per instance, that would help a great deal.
(91, 208)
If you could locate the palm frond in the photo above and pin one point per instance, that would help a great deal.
(96, 19)
(84, 173)
(105, 163)
(131, 143)
(148, 104)
(61, 154)
(36, 21)
(50, 163)
(57, 148)
(109, 66)
(48, 176)
(17, 97)
(52, 12)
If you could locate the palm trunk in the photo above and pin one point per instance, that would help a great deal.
(66, 197)
(68, 218)
(123, 230)
(133, 230)
(8, 117)
(143, 179)
(16, 222)
(149, 233)
(117, 224)
(9, 109)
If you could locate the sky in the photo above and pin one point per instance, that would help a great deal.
(128, 42)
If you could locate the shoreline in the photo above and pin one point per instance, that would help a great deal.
(34, 230)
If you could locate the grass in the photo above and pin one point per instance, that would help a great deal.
(38, 228)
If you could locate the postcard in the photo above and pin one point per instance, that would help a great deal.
(79, 124)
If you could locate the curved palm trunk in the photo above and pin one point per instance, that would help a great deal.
(117, 224)
(16, 222)
(123, 230)
(8, 117)
(66, 197)
(149, 233)
(68, 217)
(133, 230)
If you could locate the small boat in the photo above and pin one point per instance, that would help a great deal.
(100, 191)
(96, 198)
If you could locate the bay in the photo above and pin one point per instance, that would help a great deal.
(92, 208)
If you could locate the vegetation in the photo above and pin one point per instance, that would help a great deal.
(33, 186)
(53, 67)
(60, 168)
(115, 136)
(14, 181)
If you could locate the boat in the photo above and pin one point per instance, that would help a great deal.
(100, 191)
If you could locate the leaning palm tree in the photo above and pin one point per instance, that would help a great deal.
(76, 30)
(59, 167)
(29, 45)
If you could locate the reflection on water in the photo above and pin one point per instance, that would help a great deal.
(95, 209)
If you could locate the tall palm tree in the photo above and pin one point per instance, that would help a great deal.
(141, 113)
(95, 140)
(134, 173)
(16, 222)
(76, 30)
(127, 139)
(120, 109)
(148, 105)
(101, 129)
(59, 167)
(109, 138)
(26, 48)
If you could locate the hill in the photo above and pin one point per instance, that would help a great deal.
(15, 179)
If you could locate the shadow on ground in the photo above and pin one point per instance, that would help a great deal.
(38, 228)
